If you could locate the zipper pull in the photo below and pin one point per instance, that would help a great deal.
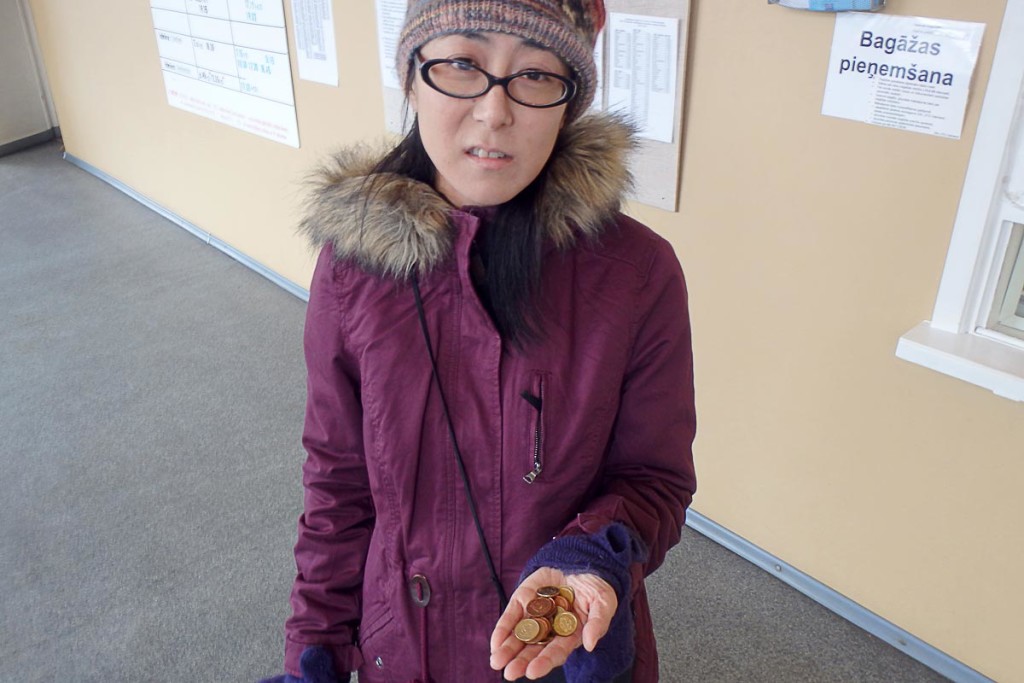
(537, 402)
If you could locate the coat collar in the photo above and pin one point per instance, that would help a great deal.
(395, 226)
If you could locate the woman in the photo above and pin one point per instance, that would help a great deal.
(500, 386)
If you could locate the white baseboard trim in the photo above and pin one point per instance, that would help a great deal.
(218, 244)
(902, 640)
(869, 621)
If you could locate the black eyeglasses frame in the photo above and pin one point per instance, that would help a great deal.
(570, 85)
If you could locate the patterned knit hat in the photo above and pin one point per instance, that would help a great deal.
(568, 28)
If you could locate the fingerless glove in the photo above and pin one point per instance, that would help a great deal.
(317, 667)
(607, 554)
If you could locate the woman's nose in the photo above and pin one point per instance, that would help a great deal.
(494, 108)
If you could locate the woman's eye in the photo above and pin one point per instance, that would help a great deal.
(538, 76)
(462, 65)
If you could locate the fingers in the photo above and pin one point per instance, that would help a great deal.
(509, 618)
(516, 608)
(505, 651)
(504, 644)
(551, 655)
(516, 665)
(536, 661)
(600, 618)
(597, 599)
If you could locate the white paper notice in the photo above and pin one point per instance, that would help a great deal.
(314, 41)
(390, 17)
(642, 56)
(831, 5)
(227, 60)
(911, 73)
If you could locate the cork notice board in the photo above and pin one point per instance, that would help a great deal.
(656, 163)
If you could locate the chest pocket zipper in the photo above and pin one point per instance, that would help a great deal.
(537, 402)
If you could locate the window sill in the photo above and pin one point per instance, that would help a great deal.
(988, 363)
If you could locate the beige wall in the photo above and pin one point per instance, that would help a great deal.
(810, 244)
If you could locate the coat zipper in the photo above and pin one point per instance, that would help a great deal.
(537, 401)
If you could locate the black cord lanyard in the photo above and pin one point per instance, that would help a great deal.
(455, 445)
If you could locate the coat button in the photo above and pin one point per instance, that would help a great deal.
(419, 588)
(379, 662)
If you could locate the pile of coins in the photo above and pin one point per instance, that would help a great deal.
(548, 615)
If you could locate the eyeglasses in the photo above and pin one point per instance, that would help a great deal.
(457, 78)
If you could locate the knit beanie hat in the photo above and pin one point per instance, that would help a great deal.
(568, 28)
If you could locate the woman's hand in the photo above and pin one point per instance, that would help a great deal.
(595, 604)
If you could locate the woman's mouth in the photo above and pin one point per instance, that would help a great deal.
(482, 153)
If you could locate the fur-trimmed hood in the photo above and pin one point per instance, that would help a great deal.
(395, 225)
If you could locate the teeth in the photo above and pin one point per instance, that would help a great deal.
(483, 154)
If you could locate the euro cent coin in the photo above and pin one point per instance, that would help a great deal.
(527, 630)
(545, 630)
(540, 607)
(566, 624)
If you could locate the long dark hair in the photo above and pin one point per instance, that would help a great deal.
(511, 249)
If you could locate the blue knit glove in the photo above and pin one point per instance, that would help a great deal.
(607, 554)
(317, 667)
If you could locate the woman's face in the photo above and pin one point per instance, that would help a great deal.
(488, 149)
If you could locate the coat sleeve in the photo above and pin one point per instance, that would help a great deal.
(648, 479)
(338, 514)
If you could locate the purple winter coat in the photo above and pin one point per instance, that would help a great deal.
(385, 512)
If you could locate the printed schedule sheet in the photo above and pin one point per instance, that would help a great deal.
(228, 60)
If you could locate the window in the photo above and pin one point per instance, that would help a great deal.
(1007, 314)
(977, 328)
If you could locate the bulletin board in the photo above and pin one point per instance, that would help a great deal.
(656, 163)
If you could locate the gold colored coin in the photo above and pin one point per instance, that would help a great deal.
(568, 593)
(527, 630)
(566, 624)
(547, 591)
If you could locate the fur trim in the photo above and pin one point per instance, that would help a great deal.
(589, 177)
(393, 225)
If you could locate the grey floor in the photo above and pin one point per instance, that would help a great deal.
(151, 400)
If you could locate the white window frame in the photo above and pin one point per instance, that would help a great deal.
(1008, 309)
(956, 341)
